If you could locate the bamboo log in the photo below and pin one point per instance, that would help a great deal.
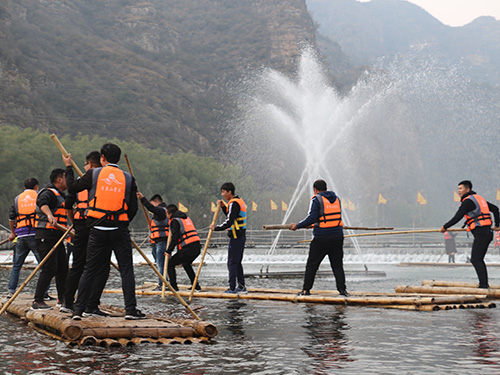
(288, 226)
(4, 241)
(125, 342)
(88, 341)
(68, 328)
(458, 284)
(181, 300)
(205, 248)
(131, 332)
(142, 206)
(485, 293)
(141, 340)
(44, 260)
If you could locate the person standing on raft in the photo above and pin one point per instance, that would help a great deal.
(325, 214)
(235, 224)
(478, 220)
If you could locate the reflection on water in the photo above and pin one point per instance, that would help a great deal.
(485, 331)
(266, 337)
(328, 344)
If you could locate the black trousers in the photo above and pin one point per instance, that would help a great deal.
(319, 248)
(56, 265)
(185, 256)
(82, 232)
(482, 239)
(96, 270)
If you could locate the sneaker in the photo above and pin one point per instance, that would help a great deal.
(65, 310)
(40, 306)
(197, 287)
(231, 291)
(9, 296)
(344, 293)
(241, 289)
(304, 293)
(77, 315)
(48, 297)
(58, 304)
(96, 313)
(134, 315)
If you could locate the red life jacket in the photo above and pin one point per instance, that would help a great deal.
(110, 194)
(480, 216)
(82, 202)
(159, 228)
(330, 214)
(59, 212)
(25, 207)
(188, 233)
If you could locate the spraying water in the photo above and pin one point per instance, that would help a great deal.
(403, 127)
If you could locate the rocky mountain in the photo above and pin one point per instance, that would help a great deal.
(367, 31)
(154, 71)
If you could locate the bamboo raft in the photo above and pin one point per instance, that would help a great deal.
(399, 300)
(292, 274)
(112, 331)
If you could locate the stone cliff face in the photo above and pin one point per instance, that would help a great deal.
(155, 71)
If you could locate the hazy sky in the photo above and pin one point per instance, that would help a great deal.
(459, 12)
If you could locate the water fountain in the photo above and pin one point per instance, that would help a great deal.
(397, 130)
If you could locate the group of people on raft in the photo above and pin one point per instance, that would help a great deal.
(101, 204)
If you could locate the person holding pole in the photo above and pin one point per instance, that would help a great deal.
(82, 231)
(159, 229)
(185, 237)
(325, 214)
(50, 211)
(476, 211)
(22, 227)
(112, 204)
(235, 224)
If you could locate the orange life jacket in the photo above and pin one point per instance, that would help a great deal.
(188, 233)
(82, 202)
(159, 228)
(59, 212)
(480, 216)
(330, 214)
(110, 194)
(25, 207)
(241, 220)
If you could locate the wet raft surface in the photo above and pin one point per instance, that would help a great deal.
(399, 300)
(112, 331)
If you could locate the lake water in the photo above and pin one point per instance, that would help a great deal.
(263, 337)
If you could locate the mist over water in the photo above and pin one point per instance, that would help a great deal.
(408, 125)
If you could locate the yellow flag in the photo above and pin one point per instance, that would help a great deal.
(350, 206)
(274, 206)
(284, 206)
(254, 206)
(421, 199)
(456, 197)
(213, 207)
(345, 204)
(182, 208)
(498, 194)
(381, 199)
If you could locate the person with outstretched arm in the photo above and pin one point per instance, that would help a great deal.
(476, 211)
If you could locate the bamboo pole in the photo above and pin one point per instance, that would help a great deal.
(44, 260)
(181, 300)
(65, 153)
(165, 264)
(396, 232)
(205, 248)
(485, 293)
(288, 226)
(142, 206)
(4, 241)
(62, 228)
